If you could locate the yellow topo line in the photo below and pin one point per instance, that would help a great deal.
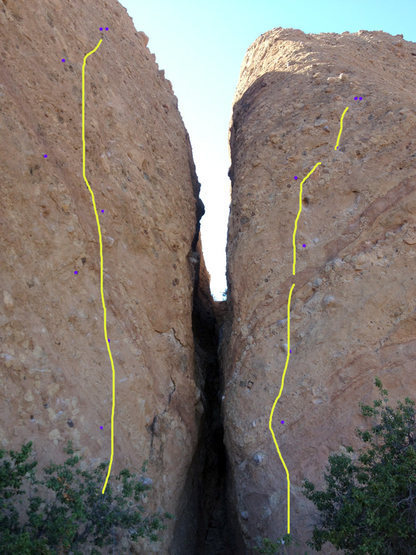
(274, 406)
(288, 330)
(288, 350)
(297, 217)
(101, 262)
(340, 129)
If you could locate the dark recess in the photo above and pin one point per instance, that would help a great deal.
(203, 525)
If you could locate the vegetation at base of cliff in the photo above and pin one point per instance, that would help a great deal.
(68, 512)
(268, 547)
(369, 506)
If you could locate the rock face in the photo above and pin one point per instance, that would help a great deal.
(56, 377)
(353, 309)
(204, 526)
(187, 368)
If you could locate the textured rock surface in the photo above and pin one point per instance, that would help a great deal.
(205, 525)
(353, 307)
(55, 372)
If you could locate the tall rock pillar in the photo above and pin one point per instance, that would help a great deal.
(353, 308)
(56, 377)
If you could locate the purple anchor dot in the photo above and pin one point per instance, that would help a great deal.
(355, 97)
(101, 28)
(361, 97)
(106, 28)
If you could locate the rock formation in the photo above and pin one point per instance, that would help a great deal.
(353, 311)
(188, 368)
(56, 378)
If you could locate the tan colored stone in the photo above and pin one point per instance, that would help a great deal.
(8, 300)
(28, 397)
(353, 305)
(55, 435)
(139, 165)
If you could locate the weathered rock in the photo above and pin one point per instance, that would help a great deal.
(204, 526)
(56, 375)
(352, 312)
(353, 309)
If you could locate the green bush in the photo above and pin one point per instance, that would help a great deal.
(69, 513)
(369, 506)
(268, 547)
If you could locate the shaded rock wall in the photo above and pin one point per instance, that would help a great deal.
(206, 512)
(353, 311)
(56, 376)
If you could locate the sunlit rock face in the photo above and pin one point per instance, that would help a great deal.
(352, 312)
(56, 377)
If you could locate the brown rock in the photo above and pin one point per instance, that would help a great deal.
(352, 311)
(139, 165)
(352, 316)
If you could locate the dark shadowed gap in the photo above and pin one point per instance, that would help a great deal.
(203, 526)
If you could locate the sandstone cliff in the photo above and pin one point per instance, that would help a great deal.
(56, 378)
(353, 311)
(186, 368)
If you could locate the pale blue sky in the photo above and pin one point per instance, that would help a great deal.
(201, 45)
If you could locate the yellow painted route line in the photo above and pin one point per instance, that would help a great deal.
(288, 330)
(340, 129)
(274, 406)
(297, 217)
(101, 263)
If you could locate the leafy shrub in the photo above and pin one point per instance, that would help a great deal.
(268, 547)
(369, 506)
(69, 513)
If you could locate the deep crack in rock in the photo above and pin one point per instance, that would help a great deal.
(203, 526)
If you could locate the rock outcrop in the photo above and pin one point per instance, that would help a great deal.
(353, 311)
(189, 370)
(56, 378)
(204, 527)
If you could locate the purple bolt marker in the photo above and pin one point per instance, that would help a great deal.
(102, 211)
(290, 351)
(109, 341)
(295, 177)
(303, 245)
(63, 59)
(101, 427)
(75, 272)
(45, 155)
(282, 421)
